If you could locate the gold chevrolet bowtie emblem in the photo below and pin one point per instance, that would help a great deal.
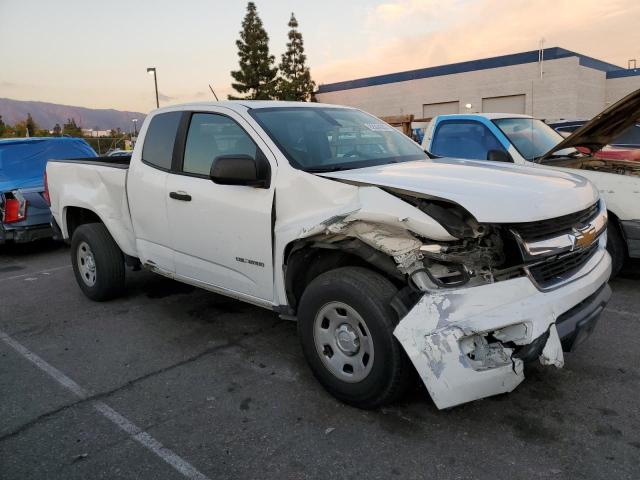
(584, 236)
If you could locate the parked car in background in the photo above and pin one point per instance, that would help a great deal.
(630, 138)
(624, 147)
(524, 140)
(24, 213)
(119, 153)
(329, 216)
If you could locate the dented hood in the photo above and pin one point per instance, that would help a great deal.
(492, 192)
(604, 127)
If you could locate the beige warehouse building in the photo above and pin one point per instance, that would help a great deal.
(564, 85)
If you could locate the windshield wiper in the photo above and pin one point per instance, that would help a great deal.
(575, 154)
(336, 168)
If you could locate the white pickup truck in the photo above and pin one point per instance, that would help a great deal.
(523, 140)
(389, 260)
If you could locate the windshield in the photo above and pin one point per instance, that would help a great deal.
(531, 137)
(629, 138)
(327, 139)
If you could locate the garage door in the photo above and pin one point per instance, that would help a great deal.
(507, 104)
(430, 110)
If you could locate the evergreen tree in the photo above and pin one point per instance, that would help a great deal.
(20, 129)
(31, 125)
(57, 130)
(71, 128)
(256, 76)
(2, 127)
(295, 82)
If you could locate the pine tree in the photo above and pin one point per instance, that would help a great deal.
(256, 76)
(2, 127)
(71, 128)
(57, 130)
(31, 125)
(295, 82)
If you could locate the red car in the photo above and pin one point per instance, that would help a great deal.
(624, 147)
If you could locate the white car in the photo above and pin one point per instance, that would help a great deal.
(523, 140)
(119, 153)
(388, 260)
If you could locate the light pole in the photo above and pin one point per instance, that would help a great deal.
(152, 70)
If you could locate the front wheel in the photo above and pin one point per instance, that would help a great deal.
(345, 324)
(98, 263)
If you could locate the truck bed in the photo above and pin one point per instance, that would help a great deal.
(115, 162)
(96, 184)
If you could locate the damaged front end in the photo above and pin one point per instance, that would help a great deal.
(471, 341)
(474, 308)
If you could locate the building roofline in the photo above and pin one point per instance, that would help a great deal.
(624, 72)
(552, 53)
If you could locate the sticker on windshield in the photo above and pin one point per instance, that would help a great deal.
(379, 127)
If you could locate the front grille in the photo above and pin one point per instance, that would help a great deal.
(554, 270)
(533, 231)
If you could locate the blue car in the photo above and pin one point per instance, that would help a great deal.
(24, 211)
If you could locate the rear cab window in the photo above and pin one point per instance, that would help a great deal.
(464, 139)
(159, 141)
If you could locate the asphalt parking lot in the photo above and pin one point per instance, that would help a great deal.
(175, 382)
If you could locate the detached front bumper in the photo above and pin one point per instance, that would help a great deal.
(471, 343)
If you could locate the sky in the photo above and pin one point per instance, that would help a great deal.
(95, 54)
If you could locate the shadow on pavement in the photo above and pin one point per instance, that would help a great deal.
(30, 248)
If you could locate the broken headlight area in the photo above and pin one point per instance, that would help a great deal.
(483, 254)
(468, 262)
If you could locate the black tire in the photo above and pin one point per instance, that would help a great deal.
(616, 247)
(369, 294)
(108, 259)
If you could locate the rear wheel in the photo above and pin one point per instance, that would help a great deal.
(616, 247)
(98, 263)
(346, 325)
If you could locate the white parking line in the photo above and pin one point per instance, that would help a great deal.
(31, 274)
(135, 432)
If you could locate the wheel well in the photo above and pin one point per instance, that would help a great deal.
(614, 222)
(306, 260)
(77, 216)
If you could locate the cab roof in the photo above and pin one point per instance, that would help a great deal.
(247, 105)
(489, 116)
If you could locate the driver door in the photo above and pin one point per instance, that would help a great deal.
(221, 235)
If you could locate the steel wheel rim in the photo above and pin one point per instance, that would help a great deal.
(86, 264)
(343, 342)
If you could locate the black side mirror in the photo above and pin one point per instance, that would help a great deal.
(499, 156)
(241, 169)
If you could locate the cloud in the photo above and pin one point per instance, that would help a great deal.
(401, 9)
(165, 98)
(453, 31)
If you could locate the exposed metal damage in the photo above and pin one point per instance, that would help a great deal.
(478, 318)
(464, 343)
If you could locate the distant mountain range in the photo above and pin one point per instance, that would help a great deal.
(46, 115)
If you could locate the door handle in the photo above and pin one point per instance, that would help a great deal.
(184, 196)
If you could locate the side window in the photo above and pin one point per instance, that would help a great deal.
(158, 142)
(464, 139)
(210, 136)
